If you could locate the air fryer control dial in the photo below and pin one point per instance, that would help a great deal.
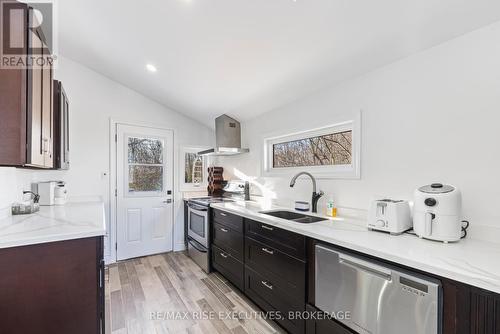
(430, 201)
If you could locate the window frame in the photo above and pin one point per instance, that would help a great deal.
(182, 159)
(351, 171)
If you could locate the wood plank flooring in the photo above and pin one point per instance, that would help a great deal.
(169, 293)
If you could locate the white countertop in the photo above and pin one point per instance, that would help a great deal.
(469, 261)
(74, 220)
(193, 194)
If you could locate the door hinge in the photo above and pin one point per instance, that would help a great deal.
(116, 137)
(116, 192)
(116, 246)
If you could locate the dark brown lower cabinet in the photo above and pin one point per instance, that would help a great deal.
(229, 266)
(485, 317)
(317, 323)
(277, 273)
(272, 295)
(53, 288)
(469, 310)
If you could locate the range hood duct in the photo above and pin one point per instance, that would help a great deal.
(227, 137)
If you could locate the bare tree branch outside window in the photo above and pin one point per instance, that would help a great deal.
(330, 149)
(193, 167)
(145, 159)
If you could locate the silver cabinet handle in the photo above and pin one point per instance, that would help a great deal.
(265, 227)
(224, 230)
(223, 214)
(223, 255)
(268, 251)
(267, 285)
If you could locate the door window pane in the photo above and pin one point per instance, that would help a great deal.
(145, 178)
(145, 151)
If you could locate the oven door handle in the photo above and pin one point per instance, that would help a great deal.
(197, 207)
(196, 246)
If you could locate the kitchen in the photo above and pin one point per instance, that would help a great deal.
(150, 219)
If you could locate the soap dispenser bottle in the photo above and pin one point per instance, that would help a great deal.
(331, 210)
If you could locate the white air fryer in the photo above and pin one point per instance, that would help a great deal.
(437, 212)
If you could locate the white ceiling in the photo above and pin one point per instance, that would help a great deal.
(245, 57)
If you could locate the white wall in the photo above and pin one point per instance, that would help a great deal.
(94, 99)
(12, 183)
(434, 116)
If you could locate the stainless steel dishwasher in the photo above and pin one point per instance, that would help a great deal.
(376, 298)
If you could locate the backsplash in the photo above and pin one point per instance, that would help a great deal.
(13, 181)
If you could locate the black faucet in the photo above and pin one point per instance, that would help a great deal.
(247, 191)
(315, 196)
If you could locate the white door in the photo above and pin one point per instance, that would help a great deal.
(144, 160)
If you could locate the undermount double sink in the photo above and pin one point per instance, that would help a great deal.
(293, 216)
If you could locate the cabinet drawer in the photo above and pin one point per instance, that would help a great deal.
(288, 242)
(286, 268)
(272, 296)
(228, 219)
(229, 240)
(318, 325)
(228, 266)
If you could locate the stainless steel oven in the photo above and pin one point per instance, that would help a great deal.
(198, 227)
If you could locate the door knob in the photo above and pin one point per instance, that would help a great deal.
(167, 201)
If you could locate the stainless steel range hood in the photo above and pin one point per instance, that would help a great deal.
(227, 137)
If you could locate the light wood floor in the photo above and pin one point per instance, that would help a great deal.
(142, 293)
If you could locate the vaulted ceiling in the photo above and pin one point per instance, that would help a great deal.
(245, 57)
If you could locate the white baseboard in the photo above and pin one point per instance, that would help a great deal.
(179, 246)
(109, 260)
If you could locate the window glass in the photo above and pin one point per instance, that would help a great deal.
(197, 224)
(145, 151)
(193, 168)
(145, 165)
(329, 149)
(145, 178)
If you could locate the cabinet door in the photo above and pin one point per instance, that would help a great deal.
(228, 219)
(52, 288)
(228, 266)
(35, 154)
(47, 114)
(290, 243)
(228, 239)
(317, 324)
(65, 130)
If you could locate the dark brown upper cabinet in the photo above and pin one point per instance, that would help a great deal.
(61, 127)
(26, 98)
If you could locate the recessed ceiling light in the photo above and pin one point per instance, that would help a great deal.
(151, 68)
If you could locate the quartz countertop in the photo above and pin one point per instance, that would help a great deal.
(75, 220)
(193, 194)
(470, 261)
